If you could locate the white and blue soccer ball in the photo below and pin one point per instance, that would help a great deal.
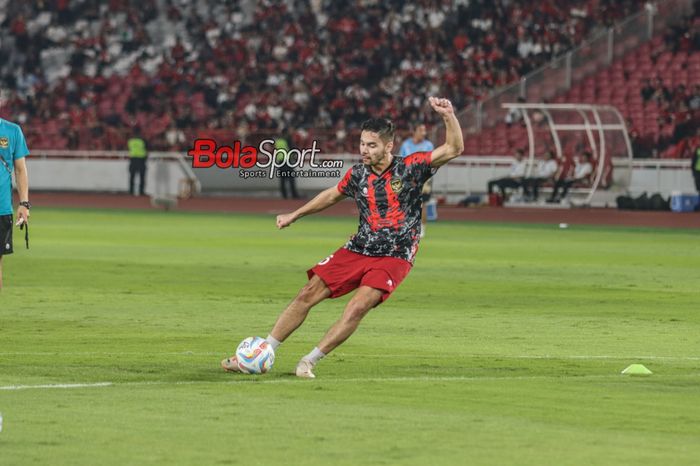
(255, 355)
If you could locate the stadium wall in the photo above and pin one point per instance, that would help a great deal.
(98, 171)
(108, 172)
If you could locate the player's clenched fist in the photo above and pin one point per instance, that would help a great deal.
(284, 220)
(442, 106)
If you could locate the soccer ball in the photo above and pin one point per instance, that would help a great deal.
(255, 355)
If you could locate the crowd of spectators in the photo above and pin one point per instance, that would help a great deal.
(684, 36)
(678, 120)
(84, 73)
(679, 105)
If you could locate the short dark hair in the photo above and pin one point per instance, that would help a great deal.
(382, 126)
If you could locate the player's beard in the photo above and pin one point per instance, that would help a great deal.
(372, 163)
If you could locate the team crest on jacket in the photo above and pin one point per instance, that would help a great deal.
(4, 143)
(396, 185)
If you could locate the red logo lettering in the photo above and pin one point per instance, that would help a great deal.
(249, 157)
(203, 153)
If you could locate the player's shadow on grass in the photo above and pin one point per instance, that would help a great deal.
(217, 375)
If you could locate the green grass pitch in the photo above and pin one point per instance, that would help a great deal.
(503, 346)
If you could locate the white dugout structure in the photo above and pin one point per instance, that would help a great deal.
(571, 129)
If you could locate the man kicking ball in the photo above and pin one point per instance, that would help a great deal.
(387, 190)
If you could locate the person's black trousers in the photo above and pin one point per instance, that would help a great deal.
(287, 178)
(137, 166)
(564, 185)
(502, 184)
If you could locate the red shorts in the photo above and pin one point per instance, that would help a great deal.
(344, 271)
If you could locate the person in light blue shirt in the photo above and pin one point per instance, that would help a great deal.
(13, 150)
(416, 143)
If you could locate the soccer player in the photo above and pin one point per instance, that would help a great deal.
(387, 190)
(13, 149)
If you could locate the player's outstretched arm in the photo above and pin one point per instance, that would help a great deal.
(454, 141)
(323, 200)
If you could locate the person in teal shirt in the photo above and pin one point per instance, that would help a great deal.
(13, 150)
(416, 143)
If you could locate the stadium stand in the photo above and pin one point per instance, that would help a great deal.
(83, 73)
(655, 86)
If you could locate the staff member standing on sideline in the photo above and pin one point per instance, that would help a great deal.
(137, 161)
(13, 150)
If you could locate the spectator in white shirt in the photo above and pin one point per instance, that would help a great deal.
(545, 171)
(582, 172)
(515, 177)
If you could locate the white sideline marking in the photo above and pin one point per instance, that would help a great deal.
(382, 356)
(109, 353)
(245, 380)
(58, 385)
(525, 356)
